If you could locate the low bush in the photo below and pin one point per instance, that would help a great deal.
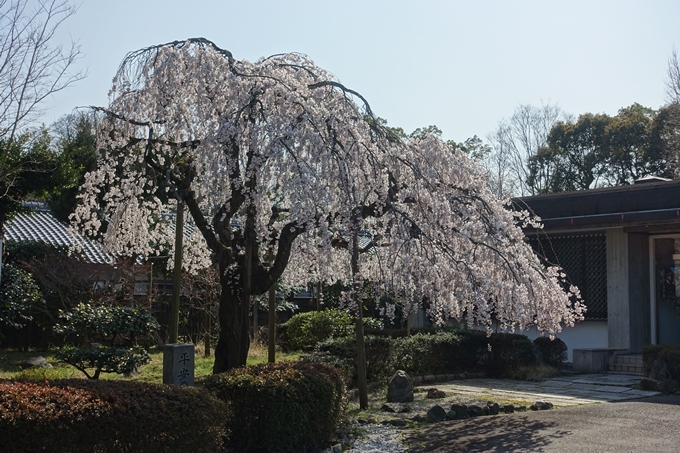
(552, 352)
(507, 351)
(19, 296)
(342, 353)
(118, 329)
(443, 352)
(306, 330)
(281, 407)
(108, 416)
(667, 354)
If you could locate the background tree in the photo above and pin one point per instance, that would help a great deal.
(669, 115)
(573, 156)
(601, 151)
(277, 155)
(32, 169)
(32, 68)
(518, 139)
(76, 146)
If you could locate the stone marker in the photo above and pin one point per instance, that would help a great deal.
(400, 388)
(178, 364)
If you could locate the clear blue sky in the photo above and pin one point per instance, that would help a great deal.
(461, 65)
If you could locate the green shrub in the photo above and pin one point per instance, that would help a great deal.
(507, 351)
(117, 329)
(103, 359)
(552, 352)
(342, 353)
(426, 354)
(306, 330)
(281, 407)
(668, 354)
(19, 295)
(108, 416)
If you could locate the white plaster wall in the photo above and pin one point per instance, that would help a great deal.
(585, 334)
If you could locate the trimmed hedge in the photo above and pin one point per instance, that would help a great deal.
(305, 330)
(507, 351)
(281, 407)
(108, 416)
(342, 353)
(421, 354)
(552, 352)
(668, 354)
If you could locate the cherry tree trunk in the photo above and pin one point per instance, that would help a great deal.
(234, 339)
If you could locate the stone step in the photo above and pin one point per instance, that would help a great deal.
(625, 368)
(629, 360)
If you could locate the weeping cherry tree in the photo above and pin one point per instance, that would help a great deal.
(286, 173)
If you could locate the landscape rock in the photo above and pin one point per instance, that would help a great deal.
(494, 409)
(396, 408)
(429, 378)
(400, 388)
(651, 384)
(398, 422)
(509, 408)
(460, 410)
(35, 362)
(475, 411)
(419, 418)
(541, 406)
(434, 393)
(436, 414)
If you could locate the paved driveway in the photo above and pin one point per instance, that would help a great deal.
(642, 426)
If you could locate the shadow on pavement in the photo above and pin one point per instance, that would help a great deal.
(516, 432)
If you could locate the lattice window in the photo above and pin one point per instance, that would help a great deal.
(584, 259)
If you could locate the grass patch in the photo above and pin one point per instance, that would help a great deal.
(151, 372)
(533, 373)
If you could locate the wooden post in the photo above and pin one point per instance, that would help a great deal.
(177, 274)
(359, 326)
(271, 356)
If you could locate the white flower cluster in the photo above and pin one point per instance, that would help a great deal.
(278, 154)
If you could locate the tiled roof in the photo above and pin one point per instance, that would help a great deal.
(42, 226)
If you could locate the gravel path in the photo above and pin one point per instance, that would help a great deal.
(379, 439)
